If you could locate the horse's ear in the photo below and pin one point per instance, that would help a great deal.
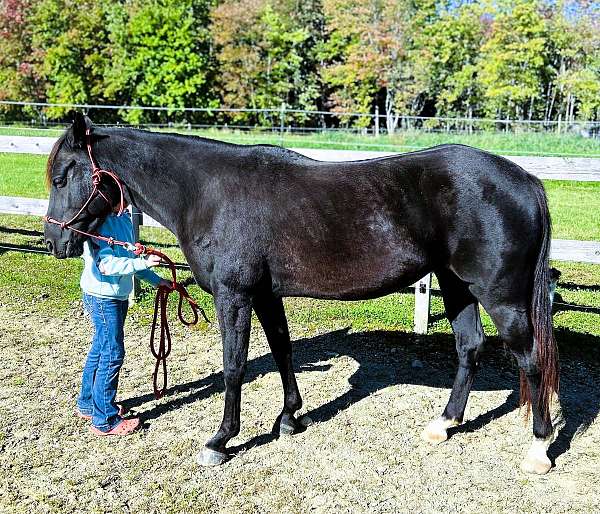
(80, 125)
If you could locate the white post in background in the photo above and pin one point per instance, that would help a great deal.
(136, 220)
(376, 121)
(422, 300)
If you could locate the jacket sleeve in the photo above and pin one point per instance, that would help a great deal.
(111, 265)
(149, 276)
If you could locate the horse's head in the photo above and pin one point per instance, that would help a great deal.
(69, 179)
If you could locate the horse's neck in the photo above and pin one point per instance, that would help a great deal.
(153, 182)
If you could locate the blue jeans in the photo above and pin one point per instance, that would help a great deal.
(104, 360)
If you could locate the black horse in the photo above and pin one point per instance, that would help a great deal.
(257, 223)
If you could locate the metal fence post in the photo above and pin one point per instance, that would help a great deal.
(376, 121)
(136, 221)
(422, 300)
(281, 122)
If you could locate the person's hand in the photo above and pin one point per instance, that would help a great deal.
(153, 260)
(165, 283)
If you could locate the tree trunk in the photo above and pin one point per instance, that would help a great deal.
(391, 119)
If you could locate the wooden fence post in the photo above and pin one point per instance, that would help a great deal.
(422, 300)
(136, 220)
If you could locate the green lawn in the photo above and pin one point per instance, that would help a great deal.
(523, 143)
(22, 175)
(575, 206)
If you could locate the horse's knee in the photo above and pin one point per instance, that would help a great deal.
(233, 376)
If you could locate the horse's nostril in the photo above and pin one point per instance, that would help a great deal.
(49, 245)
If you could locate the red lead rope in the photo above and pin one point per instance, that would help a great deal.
(160, 303)
(162, 294)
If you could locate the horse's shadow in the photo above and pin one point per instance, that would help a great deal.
(380, 366)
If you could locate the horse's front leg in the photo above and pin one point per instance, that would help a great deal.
(234, 312)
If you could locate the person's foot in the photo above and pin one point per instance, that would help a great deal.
(125, 427)
(88, 417)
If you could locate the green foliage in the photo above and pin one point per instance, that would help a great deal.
(71, 37)
(159, 55)
(525, 59)
(454, 40)
(512, 61)
(265, 52)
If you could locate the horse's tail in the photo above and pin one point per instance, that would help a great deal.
(541, 315)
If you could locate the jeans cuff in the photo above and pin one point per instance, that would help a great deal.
(86, 411)
(107, 427)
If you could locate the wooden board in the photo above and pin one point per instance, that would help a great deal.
(551, 168)
(562, 249)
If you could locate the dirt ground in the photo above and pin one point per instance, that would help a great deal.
(368, 398)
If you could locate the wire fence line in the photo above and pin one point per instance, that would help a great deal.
(282, 119)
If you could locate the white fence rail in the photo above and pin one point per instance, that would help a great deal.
(562, 250)
(548, 168)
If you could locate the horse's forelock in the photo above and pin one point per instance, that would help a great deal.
(50, 162)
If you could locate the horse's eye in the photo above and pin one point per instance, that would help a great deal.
(59, 181)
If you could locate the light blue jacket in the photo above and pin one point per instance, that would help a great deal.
(108, 270)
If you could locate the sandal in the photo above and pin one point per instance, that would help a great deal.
(125, 427)
(122, 411)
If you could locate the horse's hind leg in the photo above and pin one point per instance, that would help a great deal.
(271, 315)
(462, 310)
(514, 328)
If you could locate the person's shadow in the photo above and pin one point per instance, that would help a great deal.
(390, 358)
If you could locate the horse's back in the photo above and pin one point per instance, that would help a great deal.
(364, 228)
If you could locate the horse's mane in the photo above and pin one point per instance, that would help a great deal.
(51, 158)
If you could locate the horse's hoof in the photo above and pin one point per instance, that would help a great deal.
(537, 461)
(434, 434)
(285, 429)
(287, 425)
(437, 430)
(539, 466)
(208, 457)
(306, 421)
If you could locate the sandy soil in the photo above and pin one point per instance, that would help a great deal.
(363, 453)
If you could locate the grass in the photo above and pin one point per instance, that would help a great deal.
(521, 143)
(51, 286)
(575, 209)
(23, 175)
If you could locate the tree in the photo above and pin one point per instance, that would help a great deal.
(265, 52)
(573, 83)
(70, 39)
(18, 75)
(511, 63)
(454, 42)
(159, 55)
(375, 50)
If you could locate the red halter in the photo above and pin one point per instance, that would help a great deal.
(96, 179)
(162, 295)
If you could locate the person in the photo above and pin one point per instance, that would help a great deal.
(106, 282)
